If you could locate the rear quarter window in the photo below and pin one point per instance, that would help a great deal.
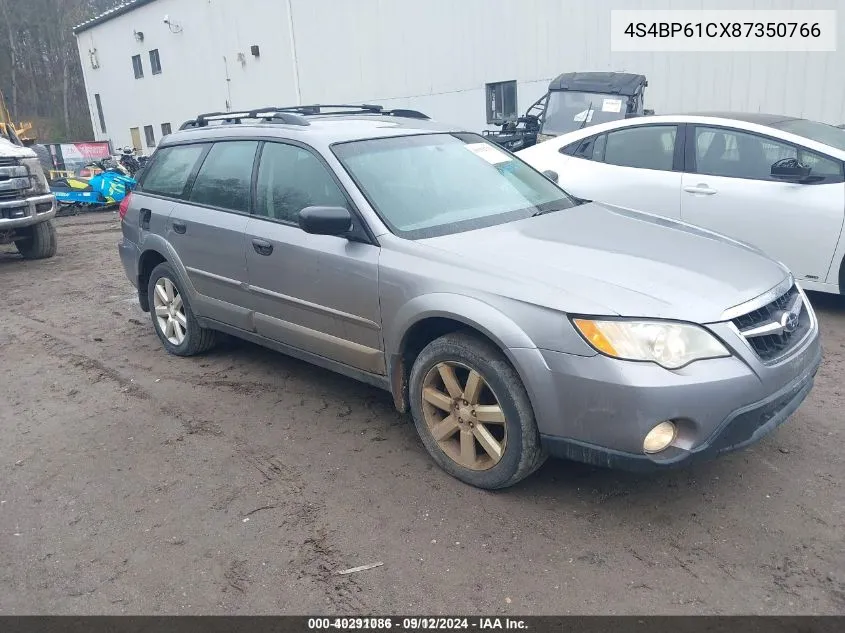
(169, 170)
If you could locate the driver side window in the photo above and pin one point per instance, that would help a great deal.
(291, 178)
(734, 154)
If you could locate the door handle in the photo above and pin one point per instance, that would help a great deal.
(262, 247)
(700, 189)
(179, 227)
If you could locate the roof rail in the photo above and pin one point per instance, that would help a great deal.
(269, 115)
(344, 108)
(294, 115)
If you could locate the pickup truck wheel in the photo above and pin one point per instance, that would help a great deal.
(173, 318)
(473, 413)
(37, 241)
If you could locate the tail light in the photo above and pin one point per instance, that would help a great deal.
(124, 205)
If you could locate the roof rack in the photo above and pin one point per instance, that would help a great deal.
(295, 115)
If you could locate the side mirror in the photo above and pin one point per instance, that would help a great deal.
(790, 170)
(325, 220)
(551, 175)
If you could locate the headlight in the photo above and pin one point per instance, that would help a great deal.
(37, 176)
(671, 345)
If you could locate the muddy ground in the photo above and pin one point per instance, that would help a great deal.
(240, 482)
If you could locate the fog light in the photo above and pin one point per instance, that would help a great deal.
(659, 437)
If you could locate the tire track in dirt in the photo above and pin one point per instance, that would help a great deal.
(317, 560)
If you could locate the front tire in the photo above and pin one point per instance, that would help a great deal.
(173, 318)
(472, 412)
(39, 241)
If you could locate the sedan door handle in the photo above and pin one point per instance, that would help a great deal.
(179, 227)
(262, 247)
(700, 189)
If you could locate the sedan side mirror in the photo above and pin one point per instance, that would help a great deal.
(790, 170)
(551, 175)
(325, 220)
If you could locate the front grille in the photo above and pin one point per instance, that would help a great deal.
(772, 346)
(8, 162)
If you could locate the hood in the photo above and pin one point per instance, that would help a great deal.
(599, 259)
(10, 150)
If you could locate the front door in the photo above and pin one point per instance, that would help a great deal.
(317, 293)
(728, 188)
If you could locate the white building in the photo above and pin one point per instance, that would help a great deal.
(149, 65)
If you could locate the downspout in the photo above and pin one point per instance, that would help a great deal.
(293, 54)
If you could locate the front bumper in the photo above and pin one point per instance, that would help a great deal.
(598, 409)
(18, 213)
(741, 428)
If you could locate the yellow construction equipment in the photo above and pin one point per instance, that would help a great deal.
(20, 128)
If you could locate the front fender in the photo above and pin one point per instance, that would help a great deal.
(472, 312)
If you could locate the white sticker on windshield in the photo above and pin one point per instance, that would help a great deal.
(611, 105)
(584, 115)
(488, 153)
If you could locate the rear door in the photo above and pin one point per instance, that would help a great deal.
(728, 188)
(636, 167)
(206, 228)
(318, 293)
(165, 180)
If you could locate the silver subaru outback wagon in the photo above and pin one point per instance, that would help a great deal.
(512, 320)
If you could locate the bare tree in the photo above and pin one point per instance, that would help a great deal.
(40, 70)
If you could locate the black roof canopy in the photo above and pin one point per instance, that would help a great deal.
(627, 84)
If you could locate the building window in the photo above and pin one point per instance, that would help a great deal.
(149, 136)
(501, 101)
(165, 129)
(100, 113)
(155, 62)
(137, 66)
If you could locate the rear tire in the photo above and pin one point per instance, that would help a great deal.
(172, 315)
(495, 419)
(39, 241)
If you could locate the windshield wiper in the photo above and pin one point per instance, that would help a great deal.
(586, 116)
(551, 207)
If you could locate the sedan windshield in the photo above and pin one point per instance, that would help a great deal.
(567, 111)
(815, 131)
(434, 184)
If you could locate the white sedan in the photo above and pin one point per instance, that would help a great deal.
(772, 181)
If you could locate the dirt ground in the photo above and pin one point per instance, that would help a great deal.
(242, 481)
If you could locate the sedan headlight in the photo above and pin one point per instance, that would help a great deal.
(669, 344)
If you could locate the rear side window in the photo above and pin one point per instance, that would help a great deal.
(591, 148)
(644, 147)
(224, 179)
(170, 169)
(291, 178)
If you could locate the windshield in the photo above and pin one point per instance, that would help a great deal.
(435, 184)
(567, 111)
(819, 132)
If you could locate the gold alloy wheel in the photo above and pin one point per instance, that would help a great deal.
(464, 416)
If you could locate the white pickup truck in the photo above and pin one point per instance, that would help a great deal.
(26, 205)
